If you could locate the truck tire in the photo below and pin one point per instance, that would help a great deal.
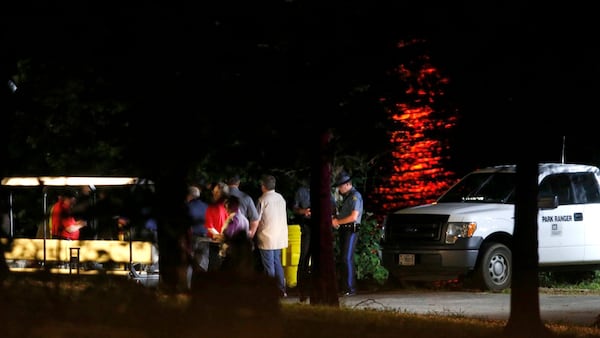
(494, 269)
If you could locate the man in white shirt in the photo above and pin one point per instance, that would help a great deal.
(272, 230)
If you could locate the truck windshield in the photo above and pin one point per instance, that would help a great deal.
(482, 188)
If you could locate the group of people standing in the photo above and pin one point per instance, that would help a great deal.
(248, 235)
(232, 232)
(229, 231)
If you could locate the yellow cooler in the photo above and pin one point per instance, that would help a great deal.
(291, 255)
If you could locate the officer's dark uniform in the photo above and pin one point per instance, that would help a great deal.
(348, 235)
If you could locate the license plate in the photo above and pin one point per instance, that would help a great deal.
(406, 259)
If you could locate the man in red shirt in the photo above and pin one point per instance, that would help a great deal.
(62, 222)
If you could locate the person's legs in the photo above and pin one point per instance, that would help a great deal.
(201, 253)
(200, 260)
(267, 260)
(214, 260)
(279, 275)
(271, 261)
(258, 265)
(348, 240)
(303, 263)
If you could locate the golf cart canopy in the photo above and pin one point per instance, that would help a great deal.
(90, 181)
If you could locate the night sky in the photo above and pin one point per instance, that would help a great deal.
(520, 72)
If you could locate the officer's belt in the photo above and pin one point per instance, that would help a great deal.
(353, 226)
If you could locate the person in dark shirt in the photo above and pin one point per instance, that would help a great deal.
(200, 241)
(301, 208)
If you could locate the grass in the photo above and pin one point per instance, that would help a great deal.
(225, 306)
(319, 321)
(578, 282)
(344, 322)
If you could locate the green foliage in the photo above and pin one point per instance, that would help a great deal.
(66, 121)
(576, 280)
(367, 255)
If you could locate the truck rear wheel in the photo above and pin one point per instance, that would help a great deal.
(494, 270)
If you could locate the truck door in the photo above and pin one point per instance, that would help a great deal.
(561, 231)
(587, 192)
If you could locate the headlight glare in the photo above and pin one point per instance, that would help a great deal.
(458, 230)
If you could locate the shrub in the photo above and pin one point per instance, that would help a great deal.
(367, 256)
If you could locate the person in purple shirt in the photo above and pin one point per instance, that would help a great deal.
(248, 208)
(236, 244)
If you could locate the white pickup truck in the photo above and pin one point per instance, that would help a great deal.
(468, 231)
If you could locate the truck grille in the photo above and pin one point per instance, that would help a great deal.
(405, 227)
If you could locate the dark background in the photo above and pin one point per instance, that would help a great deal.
(520, 72)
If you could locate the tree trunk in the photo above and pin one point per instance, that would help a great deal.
(524, 319)
(172, 226)
(323, 289)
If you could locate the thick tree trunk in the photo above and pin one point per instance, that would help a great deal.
(323, 275)
(172, 227)
(525, 320)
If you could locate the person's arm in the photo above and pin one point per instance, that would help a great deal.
(305, 212)
(70, 224)
(301, 205)
(254, 223)
(218, 237)
(336, 222)
(253, 228)
(252, 215)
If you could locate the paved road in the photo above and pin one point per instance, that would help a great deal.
(574, 309)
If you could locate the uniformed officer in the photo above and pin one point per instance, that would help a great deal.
(347, 222)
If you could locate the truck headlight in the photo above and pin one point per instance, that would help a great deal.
(458, 230)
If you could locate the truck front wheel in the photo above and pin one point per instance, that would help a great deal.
(494, 269)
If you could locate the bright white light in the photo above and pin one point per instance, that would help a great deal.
(12, 86)
(68, 181)
(20, 181)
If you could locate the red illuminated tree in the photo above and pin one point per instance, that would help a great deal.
(419, 135)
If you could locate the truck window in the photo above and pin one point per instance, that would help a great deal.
(558, 185)
(586, 188)
(482, 188)
(572, 188)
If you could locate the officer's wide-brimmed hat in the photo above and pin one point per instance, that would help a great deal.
(341, 178)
